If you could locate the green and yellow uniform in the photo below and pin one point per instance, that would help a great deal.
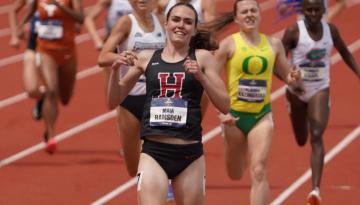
(249, 77)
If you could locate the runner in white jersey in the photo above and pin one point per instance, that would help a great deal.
(116, 9)
(313, 59)
(138, 39)
(310, 41)
(137, 31)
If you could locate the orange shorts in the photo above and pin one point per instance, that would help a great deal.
(60, 56)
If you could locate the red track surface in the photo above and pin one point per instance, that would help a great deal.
(87, 165)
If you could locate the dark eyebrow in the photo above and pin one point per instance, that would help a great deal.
(186, 18)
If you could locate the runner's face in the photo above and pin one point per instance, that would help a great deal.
(180, 25)
(313, 11)
(247, 15)
(142, 4)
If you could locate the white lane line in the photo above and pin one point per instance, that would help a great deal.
(22, 96)
(307, 175)
(116, 192)
(85, 37)
(208, 136)
(5, 32)
(217, 129)
(109, 115)
(292, 188)
(60, 137)
(12, 59)
(214, 132)
(14, 99)
(334, 59)
(19, 57)
(5, 9)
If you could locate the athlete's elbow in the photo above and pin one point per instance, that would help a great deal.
(102, 60)
(80, 18)
(224, 106)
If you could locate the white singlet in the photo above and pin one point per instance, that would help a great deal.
(140, 40)
(117, 9)
(313, 59)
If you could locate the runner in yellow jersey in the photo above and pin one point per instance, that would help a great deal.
(249, 58)
(249, 85)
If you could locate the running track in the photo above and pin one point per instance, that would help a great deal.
(87, 166)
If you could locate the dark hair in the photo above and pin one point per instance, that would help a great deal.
(304, 2)
(224, 19)
(187, 5)
(203, 38)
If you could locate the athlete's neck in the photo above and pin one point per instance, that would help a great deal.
(173, 53)
(145, 20)
(253, 38)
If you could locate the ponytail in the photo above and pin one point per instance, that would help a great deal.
(225, 19)
(221, 22)
(203, 40)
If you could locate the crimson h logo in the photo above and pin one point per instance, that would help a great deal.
(176, 86)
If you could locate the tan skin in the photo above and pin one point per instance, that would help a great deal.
(255, 146)
(89, 22)
(312, 117)
(59, 81)
(129, 125)
(90, 18)
(31, 74)
(188, 184)
(16, 33)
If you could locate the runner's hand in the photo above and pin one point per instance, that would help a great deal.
(14, 42)
(99, 45)
(294, 80)
(191, 66)
(228, 119)
(126, 58)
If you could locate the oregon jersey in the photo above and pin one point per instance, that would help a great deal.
(249, 73)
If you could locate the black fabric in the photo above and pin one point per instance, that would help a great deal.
(32, 34)
(135, 105)
(191, 91)
(173, 158)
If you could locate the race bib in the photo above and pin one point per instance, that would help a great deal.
(312, 73)
(50, 29)
(168, 112)
(252, 90)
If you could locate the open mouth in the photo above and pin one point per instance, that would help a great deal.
(250, 21)
(180, 33)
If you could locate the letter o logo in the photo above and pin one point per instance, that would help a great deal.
(254, 65)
